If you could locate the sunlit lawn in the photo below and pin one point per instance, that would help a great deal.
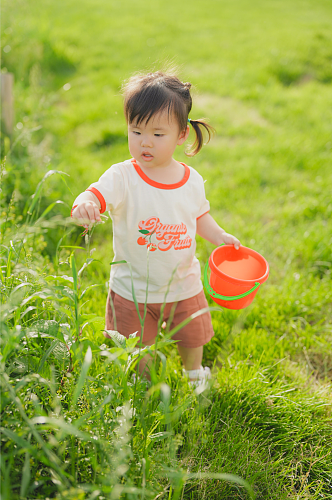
(262, 73)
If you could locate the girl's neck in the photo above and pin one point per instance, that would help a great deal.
(165, 175)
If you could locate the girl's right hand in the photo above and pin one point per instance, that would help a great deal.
(86, 212)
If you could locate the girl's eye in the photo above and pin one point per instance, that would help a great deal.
(137, 133)
(158, 135)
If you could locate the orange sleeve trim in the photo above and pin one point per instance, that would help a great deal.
(100, 198)
(203, 214)
(159, 185)
(72, 210)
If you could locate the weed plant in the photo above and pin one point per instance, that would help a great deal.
(72, 412)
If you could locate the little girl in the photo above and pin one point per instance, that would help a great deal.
(157, 204)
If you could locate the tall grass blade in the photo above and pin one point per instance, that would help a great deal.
(85, 265)
(132, 284)
(84, 372)
(71, 246)
(190, 318)
(52, 460)
(19, 440)
(232, 478)
(36, 194)
(57, 251)
(74, 271)
(68, 429)
(9, 263)
(46, 355)
(49, 208)
(75, 278)
(26, 475)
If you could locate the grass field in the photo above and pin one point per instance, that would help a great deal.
(74, 425)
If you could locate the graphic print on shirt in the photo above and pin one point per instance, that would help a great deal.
(167, 235)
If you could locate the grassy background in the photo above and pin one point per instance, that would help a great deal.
(262, 73)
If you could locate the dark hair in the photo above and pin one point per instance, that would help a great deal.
(148, 94)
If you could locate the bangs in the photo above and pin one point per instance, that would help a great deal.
(143, 103)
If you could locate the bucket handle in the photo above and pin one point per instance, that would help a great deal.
(216, 295)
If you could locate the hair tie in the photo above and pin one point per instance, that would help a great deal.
(189, 120)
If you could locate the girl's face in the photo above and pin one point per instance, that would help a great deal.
(152, 144)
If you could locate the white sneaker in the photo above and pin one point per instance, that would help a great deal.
(198, 377)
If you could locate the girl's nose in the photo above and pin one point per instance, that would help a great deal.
(146, 141)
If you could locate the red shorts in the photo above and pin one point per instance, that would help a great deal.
(196, 333)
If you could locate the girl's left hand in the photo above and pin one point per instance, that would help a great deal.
(229, 239)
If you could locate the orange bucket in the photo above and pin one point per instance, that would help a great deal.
(235, 276)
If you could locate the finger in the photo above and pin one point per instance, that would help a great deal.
(237, 244)
(83, 216)
(93, 212)
(77, 216)
(97, 214)
(90, 209)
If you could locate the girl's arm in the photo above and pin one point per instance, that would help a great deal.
(87, 209)
(212, 232)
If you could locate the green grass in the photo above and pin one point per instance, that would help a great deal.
(74, 424)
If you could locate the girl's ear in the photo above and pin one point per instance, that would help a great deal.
(183, 136)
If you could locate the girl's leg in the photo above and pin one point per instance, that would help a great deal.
(126, 321)
(192, 361)
(196, 333)
(191, 357)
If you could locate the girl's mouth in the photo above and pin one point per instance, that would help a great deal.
(147, 156)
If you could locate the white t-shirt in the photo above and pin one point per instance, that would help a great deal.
(162, 217)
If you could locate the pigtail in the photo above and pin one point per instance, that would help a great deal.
(198, 126)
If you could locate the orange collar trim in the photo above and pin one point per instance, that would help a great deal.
(159, 185)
